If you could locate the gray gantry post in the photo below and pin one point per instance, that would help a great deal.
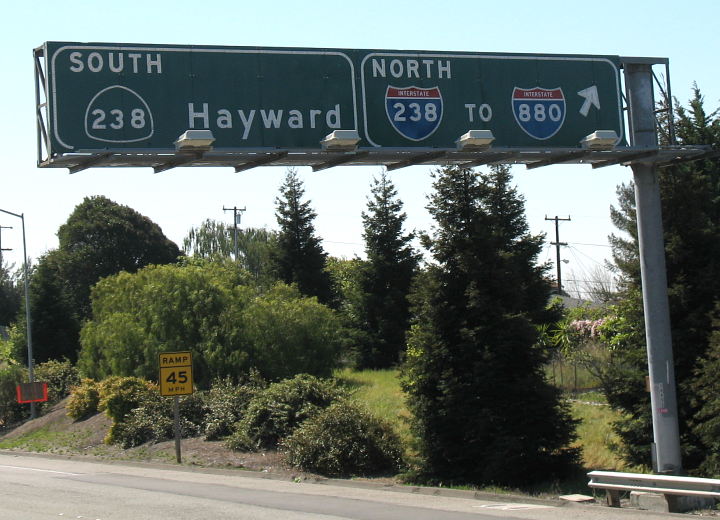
(643, 132)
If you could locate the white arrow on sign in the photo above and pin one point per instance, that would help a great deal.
(591, 98)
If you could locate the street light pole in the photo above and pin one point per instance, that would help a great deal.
(31, 374)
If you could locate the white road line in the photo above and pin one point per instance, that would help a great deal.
(41, 470)
(513, 507)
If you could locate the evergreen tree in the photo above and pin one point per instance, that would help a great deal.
(10, 294)
(690, 195)
(483, 410)
(299, 257)
(390, 268)
(706, 387)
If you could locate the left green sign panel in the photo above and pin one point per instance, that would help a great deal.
(105, 96)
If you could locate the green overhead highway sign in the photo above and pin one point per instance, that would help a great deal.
(430, 99)
(127, 97)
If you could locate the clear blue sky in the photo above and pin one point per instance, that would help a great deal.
(184, 197)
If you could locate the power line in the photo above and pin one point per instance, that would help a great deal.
(584, 244)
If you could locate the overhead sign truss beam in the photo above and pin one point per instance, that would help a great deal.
(265, 160)
(182, 159)
(241, 160)
(627, 159)
(557, 159)
(429, 157)
(337, 161)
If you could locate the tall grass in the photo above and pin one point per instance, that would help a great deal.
(380, 391)
(595, 434)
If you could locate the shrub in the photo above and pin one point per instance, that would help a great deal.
(120, 395)
(227, 402)
(275, 412)
(10, 411)
(84, 399)
(193, 410)
(344, 440)
(61, 377)
(150, 422)
(153, 420)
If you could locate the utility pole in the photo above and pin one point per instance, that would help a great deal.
(1, 247)
(237, 215)
(557, 245)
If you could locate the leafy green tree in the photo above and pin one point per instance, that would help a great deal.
(348, 279)
(100, 238)
(286, 333)
(213, 239)
(299, 257)
(211, 309)
(690, 195)
(391, 265)
(163, 308)
(483, 410)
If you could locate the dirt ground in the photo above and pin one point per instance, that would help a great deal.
(56, 433)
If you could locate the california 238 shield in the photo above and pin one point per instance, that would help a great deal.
(414, 112)
(540, 112)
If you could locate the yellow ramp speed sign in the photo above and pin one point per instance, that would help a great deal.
(176, 373)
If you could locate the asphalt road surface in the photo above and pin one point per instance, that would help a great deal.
(41, 488)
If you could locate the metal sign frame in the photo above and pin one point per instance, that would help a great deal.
(33, 392)
(318, 158)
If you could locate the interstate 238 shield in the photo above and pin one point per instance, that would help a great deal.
(414, 112)
(538, 111)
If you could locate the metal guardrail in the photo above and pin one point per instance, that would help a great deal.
(668, 485)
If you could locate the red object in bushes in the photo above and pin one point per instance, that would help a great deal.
(32, 392)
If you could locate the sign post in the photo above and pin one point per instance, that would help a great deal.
(176, 380)
(667, 456)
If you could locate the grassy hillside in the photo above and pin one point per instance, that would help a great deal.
(380, 391)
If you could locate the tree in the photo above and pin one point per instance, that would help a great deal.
(215, 240)
(348, 279)
(483, 410)
(690, 195)
(56, 319)
(211, 309)
(210, 240)
(99, 238)
(706, 422)
(391, 265)
(299, 257)
(10, 294)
